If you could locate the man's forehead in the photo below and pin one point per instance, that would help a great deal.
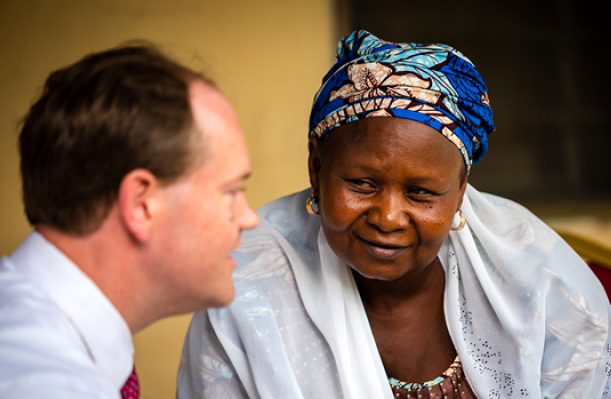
(225, 146)
(211, 110)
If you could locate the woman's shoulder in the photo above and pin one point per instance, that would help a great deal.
(500, 215)
(526, 251)
(505, 223)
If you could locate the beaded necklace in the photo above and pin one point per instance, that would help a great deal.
(449, 385)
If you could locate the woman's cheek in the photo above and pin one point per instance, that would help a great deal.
(339, 211)
(433, 226)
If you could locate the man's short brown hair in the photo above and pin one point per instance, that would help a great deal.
(96, 121)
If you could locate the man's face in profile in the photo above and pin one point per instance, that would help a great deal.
(207, 209)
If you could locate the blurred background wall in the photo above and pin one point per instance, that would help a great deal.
(267, 56)
(543, 63)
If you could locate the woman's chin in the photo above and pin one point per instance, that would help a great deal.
(381, 274)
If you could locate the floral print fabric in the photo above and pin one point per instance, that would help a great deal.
(433, 84)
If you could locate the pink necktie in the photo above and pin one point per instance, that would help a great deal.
(131, 389)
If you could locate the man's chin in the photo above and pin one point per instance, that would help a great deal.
(224, 298)
(231, 263)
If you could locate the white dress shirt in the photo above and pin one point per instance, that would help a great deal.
(60, 337)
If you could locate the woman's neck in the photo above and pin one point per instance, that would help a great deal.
(411, 289)
(407, 319)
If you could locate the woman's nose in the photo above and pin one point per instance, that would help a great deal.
(389, 212)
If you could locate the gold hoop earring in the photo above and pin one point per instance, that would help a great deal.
(462, 222)
(313, 205)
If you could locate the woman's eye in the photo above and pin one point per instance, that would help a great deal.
(418, 193)
(361, 184)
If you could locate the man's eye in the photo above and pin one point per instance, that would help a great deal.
(231, 195)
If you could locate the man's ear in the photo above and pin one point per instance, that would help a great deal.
(314, 163)
(137, 203)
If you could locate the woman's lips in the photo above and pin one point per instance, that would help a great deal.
(383, 250)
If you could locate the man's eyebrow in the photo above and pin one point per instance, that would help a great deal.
(246, 175)
(242, 177)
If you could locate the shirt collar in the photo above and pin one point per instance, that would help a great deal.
(99, 324)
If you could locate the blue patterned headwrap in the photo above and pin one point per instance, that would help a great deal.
(433, 84)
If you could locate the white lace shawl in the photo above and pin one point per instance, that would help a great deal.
(526, 315)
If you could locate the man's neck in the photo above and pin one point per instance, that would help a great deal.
(109, 257)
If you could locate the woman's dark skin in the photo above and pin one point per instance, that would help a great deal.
(389, 189)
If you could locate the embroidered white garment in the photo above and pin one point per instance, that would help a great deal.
(527, 316)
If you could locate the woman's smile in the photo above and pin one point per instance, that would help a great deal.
(383, 251)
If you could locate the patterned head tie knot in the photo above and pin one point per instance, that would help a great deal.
(430, 83)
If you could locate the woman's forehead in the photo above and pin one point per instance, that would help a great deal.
(394, 138)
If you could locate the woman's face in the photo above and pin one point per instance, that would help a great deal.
(389, 189)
